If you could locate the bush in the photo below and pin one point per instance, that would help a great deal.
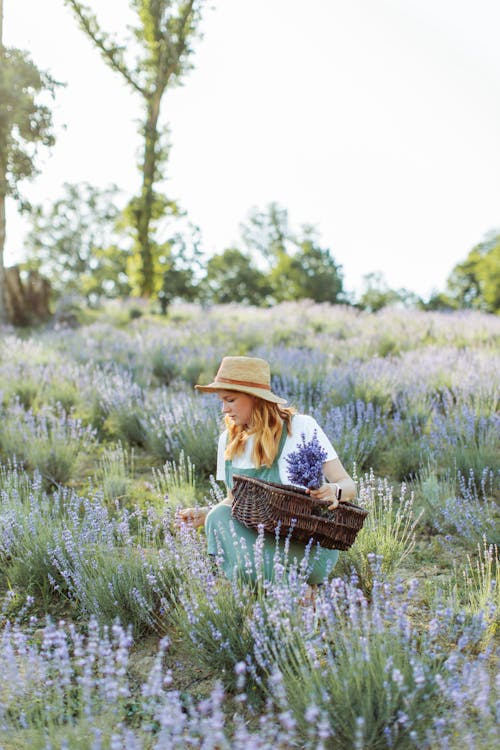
(388, 532)
(49, 441)
(176, 482)
(365, 673)
(462, 507)
(116, 472)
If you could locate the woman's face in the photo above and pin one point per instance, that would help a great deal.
(238, 406)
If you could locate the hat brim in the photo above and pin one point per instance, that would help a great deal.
(262, 393)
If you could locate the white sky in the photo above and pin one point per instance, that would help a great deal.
(378, 121)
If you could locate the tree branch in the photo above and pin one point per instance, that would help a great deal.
(111, 52)
(165, 71)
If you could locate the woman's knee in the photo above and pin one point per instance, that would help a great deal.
(217, 514)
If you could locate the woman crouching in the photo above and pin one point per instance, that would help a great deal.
(261, 431)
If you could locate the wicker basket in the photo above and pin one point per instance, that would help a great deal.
(266, 504)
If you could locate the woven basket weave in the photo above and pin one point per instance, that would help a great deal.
(257, 503)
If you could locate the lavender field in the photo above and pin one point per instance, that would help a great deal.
(119, 633)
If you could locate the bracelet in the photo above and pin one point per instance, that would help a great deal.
(338, 491)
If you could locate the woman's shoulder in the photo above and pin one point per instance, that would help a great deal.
(223, 438)
(303, 422)
(303, 419)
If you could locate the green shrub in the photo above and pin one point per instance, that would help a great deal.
(64, 393)
(164, 366)
(30, 524)
(361, 672)
(127, 424)
(176, 482)
(475, 588)
(49, 441)
(116, 472)
(213, 618)
(388, 532)
(132, 584)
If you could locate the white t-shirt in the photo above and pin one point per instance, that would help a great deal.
(301, 423)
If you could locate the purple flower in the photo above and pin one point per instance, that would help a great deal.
(305, 465)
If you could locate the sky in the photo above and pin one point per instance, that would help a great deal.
(376, 121)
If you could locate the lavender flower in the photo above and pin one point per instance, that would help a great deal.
(305, 465)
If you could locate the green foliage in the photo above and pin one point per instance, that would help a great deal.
(475, 283)
(311, 273)
(231, 276)
(25, 555)
(296, 266)
(268, 234)
(117, 471)
(130, 583)
(126, 424)
(63, 392)
(377, 294)
(476, 587)
(215, 626)
(164, 365)
(176, 437)
(25, 123)
(196, 440)
(26, 391)
(363, 681)
(388, 532)
(50, 442)
(176, 482)
(75, 243)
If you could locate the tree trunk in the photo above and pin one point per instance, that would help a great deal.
(2, 244)
(26, 302)
(147, 197)
(3, 182)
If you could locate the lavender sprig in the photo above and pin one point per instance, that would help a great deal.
(305, 465)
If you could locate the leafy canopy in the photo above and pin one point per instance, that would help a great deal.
(25, 121)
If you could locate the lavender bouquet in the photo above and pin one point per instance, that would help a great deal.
(305, 465)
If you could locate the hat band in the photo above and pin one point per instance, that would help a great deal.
(248, 383)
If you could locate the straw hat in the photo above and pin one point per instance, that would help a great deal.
(246, 374)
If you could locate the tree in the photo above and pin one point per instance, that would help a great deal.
(377, 294)
(310, 273)
(438, 301)
(232, 277)
(475, 283)
(25, 124)
(77, 243)
(267, 234)
(179, 266)
(163, 34)
(297, 267)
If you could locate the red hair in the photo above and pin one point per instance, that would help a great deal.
(266, 427)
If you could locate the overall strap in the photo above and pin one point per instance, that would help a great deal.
(269, 473)
(284, 434)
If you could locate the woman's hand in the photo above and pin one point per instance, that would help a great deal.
(194, 517)
(328, 491)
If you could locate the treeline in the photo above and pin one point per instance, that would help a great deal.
(82, 243)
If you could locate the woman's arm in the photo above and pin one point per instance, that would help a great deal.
(195, 517)
(338, 479)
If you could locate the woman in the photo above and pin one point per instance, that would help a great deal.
(260, 433)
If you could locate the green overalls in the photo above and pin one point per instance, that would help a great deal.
(236, 543)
